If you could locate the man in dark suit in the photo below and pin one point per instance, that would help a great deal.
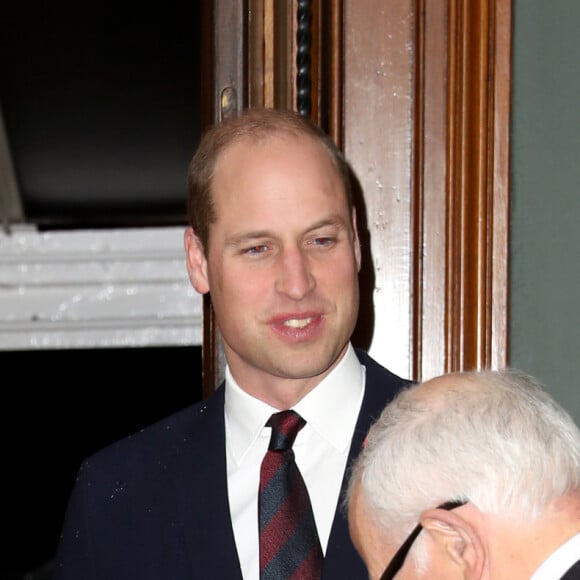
(469, 475)
(273, 238)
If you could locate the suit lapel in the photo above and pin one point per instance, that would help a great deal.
(573, 573)
(341, 559)
(202, 492)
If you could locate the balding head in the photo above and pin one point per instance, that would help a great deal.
(494, 439)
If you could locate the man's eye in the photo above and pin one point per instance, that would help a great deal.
(324, 241)
(258, 249)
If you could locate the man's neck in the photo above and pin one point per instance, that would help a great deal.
(523, 546)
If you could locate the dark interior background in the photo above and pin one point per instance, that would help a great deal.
(58, 407)
(101, 107)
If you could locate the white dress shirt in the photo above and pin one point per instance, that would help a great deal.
(560, 561)
(321, 450)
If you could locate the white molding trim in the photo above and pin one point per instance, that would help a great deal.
(96, 288)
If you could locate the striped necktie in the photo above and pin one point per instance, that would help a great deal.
(289, 544)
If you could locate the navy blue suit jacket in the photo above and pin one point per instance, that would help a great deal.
(573, 573)
(154, 506)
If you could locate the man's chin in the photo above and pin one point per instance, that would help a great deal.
(306, 366)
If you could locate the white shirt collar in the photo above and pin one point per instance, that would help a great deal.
(331, 409)
(560, 561)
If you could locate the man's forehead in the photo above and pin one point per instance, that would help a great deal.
(264, 138)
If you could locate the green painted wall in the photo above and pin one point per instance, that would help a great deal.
(545, 186)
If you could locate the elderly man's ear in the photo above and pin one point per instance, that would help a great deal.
(456, 541)
(196, 261)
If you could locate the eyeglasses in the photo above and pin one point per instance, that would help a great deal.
(399, 558)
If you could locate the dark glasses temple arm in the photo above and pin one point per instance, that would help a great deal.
(399, 558)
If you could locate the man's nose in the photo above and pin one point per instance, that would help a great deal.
(295, 277)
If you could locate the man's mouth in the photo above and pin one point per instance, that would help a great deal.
(297, 322)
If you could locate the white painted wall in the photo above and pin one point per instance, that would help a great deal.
(96, 288)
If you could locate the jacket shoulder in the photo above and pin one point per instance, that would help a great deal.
(377, 372)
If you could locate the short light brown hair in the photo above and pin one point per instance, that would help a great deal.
(257, 124)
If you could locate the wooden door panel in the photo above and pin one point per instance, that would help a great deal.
(416, 93)
(378, 132)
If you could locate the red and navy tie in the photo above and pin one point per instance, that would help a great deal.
(289, 544)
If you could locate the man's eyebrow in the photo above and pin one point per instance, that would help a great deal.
(335, 221)
(245, 237)
(252, 235)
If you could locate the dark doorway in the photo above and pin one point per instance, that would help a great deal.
(60, 406)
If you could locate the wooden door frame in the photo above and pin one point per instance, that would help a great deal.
(462, 314)
(459, 182)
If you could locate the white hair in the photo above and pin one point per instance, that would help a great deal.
(493, 437)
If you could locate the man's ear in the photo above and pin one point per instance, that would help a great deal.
(196, 261)
(456, 539)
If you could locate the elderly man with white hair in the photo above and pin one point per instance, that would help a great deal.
(469, 475)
